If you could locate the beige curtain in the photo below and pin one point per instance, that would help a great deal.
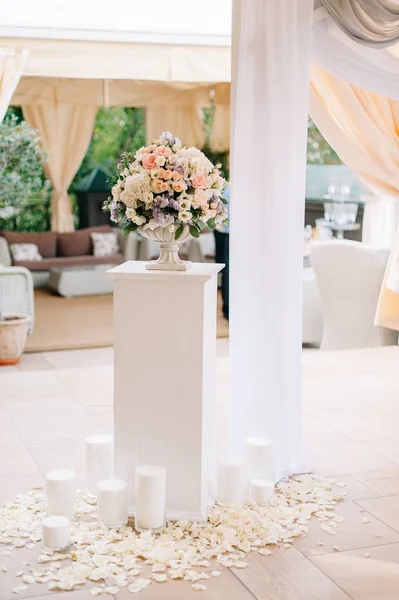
(185, 122)
(220, 134)
(11, 68)
(65, 131)
(363, 129)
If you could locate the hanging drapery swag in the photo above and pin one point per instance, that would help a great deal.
(373, 23)
(65, 132)
(12, 64)
(362, 128)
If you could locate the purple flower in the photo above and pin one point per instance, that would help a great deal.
(167, 138)
(162, 201)
(161, 218)
(174, 204)
(113, 208)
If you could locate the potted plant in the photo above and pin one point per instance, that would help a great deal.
(13, 334)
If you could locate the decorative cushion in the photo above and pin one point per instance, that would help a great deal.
(45, 241)
(25, 252)
(105, 244)
(78, 243)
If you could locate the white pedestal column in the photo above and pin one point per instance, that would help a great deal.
(165, 364)
(270, 90)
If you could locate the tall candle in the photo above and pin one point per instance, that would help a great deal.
(150, 497)
(61, 491)
(231, 482)
(55, 532)
(112, 502)
(99, 461)
(259, 458)
(261, 490)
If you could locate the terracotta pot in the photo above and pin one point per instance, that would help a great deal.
(13, 334)
(169, 259)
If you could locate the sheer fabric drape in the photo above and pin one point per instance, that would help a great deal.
(65, 131)
(270, 93)
(370, 22)
(363, 129)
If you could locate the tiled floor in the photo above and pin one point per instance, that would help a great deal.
(351, 428)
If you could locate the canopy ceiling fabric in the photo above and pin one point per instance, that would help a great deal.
(78, 59)
(373, 23)
(49, 91)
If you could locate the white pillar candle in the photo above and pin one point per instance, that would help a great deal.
(99, 461)
(150, 497)
(259, 458)
(112, 502)
(61, 491)
(261, 490)
(55, 532)
(231, 482)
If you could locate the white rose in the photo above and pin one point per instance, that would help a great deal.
(139, 220)
(185, 216)
(172, 159)
(130, 213)
(161, 160)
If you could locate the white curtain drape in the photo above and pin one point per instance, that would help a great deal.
(367, 68)
(185, 122)
(270, 94)
(12, 64)
(65, 132)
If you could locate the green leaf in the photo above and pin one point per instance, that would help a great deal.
(224, 201)
(211, 223)
(178, 232)
(194, 231)
(129, 228)
(199, 224)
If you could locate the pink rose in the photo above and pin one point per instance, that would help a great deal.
(176, 176)
(156, 186)
(199, 182)
(149, 161)
(163, 151)
(178, 186)
(167, 174)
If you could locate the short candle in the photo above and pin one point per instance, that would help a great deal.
(259, 458)
(99, 461)
(261, 490)
(112, 502)
(231, 482)
(55, 532)
(150, 498)
(61, 491)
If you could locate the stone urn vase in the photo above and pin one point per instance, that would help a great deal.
(13, 335)
(169, 259)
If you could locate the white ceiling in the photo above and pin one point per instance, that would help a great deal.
(170, 21)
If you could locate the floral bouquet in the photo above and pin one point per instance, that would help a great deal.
(168, 186)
